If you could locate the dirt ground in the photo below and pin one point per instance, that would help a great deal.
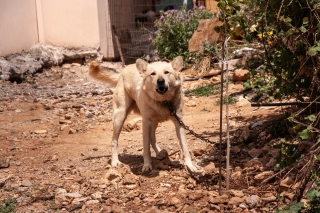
(55, 136)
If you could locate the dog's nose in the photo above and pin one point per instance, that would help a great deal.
(160, 81)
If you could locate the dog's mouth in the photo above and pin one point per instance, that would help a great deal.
(162, 89)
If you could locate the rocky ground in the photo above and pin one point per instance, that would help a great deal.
(55, 136)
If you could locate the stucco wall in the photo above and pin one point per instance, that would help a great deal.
(72, 23)
(18, 25)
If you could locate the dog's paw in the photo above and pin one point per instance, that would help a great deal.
(192, 168)
(146, 167)
(115, 163)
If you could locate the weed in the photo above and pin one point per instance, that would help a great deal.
(8, 206)
(206, 109)
(205, 90)
(231, 100)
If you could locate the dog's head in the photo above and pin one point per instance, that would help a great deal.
(161, 79)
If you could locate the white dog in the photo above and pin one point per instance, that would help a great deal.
(144, 88)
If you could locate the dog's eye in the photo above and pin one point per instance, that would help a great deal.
(153, 73)
(166, 72)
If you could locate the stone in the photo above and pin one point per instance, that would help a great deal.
(26, 183)
(190, 103)
(274, 152)
(129, 179)
(30, 61)
(210, 168)
(163, 154)
(116, 209)
(156, 164)
(232, 64)
(268, 197)
(131, 186)
(198, 152)
(245, 133)
(59, 199)
(255, 153)
(263, 175)
(253, 165)
(235, 201)
(73, 195)
(195, 195)
(96, 195)
(235, 149)
(4, 163)
(287, 182)
(42, 131)
(133, 194)
(112, 174)
(61, 191)
(64, 121)
(205, 33)
(271, 163)
(243, 103)
(90, 202)
(174, 201)
(236, 193)
(252, 201)
(134, 124)
(153, 210)
(240, 75)
(2, 182)
(219, 199)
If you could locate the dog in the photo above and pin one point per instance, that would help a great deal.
(145, 87)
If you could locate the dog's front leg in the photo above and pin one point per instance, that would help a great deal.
(184, 146)
(147, 131)
(153, 141)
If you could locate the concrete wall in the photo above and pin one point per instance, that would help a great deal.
(68, 23)
(18, 25)
(71, 23)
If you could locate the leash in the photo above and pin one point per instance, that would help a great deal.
(172, 109)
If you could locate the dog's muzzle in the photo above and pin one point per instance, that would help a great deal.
(161, 86)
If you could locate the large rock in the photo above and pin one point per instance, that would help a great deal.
(15, 66)
(241, 75)
(205, 33)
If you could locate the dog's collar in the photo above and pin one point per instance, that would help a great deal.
(170, 106)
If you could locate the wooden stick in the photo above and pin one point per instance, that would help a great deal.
(118, 43)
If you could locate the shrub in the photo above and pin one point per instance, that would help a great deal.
(174, 30)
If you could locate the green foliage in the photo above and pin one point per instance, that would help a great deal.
(204, 90)
(289, 31)
(8, 206)
(294, 207)
(313, 206)
(175, 28)
(231, 100)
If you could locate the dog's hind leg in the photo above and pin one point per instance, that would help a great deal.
(121, 106)
(119, 115)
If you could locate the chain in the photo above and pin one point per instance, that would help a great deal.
(172, 109)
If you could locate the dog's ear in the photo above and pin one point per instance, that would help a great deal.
(141, 65)
(177, 63)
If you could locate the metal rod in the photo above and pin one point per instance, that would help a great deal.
(227, 113)
(221, 104)
(278, 104)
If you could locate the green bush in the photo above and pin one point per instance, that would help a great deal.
(174, 30)
(8, 206)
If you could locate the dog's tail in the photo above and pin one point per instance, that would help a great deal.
(105, 74)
